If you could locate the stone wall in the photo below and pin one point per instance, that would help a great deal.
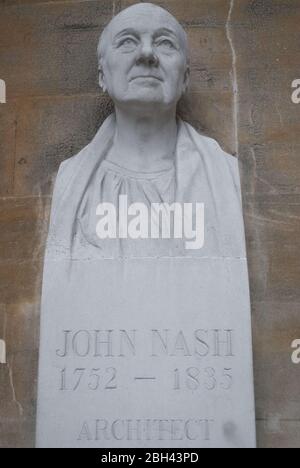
(245, 55)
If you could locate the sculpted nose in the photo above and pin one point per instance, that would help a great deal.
(147, 55)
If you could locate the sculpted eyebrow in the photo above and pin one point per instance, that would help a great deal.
(166, 31)
(125, 32)
(157, 33)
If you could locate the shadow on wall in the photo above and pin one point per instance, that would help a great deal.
(185, 112)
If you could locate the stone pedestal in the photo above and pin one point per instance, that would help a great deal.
(160, 356)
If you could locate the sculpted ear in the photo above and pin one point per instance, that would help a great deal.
(186, 80)
(102, 77)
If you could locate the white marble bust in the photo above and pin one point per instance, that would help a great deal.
(127, 305)
(144, 151)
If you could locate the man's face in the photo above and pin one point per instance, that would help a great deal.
(145, 58)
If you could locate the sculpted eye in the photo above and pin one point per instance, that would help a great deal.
(167, 44)
(128, 42)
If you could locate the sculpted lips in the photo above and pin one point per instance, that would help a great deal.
(146, 77)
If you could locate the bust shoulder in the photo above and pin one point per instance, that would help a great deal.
(210, 151)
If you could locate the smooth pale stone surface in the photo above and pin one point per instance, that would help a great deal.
(192, 336)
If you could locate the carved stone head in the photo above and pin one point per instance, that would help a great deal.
(143, 58)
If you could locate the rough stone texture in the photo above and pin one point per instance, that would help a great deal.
(62, 127)
(244, 58)
(264, 34)
(8, 144)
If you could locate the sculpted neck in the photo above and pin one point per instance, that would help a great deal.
(144, 143)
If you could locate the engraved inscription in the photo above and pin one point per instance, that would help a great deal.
(146, 429)
(152, 344)
(97, 343)
(167, 342)
(203, 343)
(89, 379)
(208, 378)
(92, 360)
